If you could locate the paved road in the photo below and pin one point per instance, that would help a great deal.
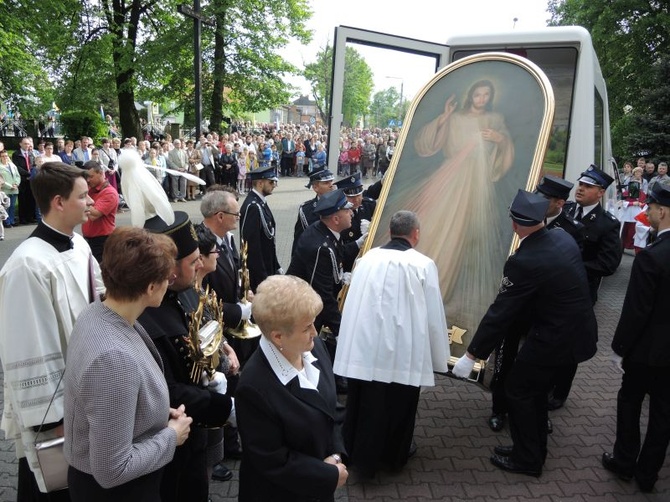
(451, 432)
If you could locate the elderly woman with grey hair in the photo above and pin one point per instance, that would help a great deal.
(286, 402)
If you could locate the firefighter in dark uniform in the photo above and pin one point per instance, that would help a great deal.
(601, 252)
(642, 349)
(185, 477)
(258, 228)
(320, 258)
(321, 181)
(363, 207)
(545, 283)
(556, 191)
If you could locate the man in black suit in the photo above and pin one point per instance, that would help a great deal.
(321, 181)
(258, 227)
(24, 159)
(601, 252)
(221, 212)
(642, 350)
(545, 284)
(287, 154)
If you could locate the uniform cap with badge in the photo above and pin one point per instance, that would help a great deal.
(264, 173)
(331, 203)
(351, 185)
(553, 186)
(595, 176)
(320, 174)
(181, 232)
(659, 194)
(528, 209)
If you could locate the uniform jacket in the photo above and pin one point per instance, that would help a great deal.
(364, 212)
(306, 217)
(257, 229)
(602, 246)
(167, 326)
(320, 259)
(287, 432)
(544, 282)
(642, 335)
(571, 226)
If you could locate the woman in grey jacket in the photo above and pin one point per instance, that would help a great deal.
(119, 428)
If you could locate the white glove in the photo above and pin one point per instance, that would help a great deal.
(232, 418)
(617, 362)
(280, 271)
(463, 367)
(346, 278)
(365, 226)
(218, 383)
(246, 310)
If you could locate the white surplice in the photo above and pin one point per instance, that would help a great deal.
(42, 292)
(393, 323)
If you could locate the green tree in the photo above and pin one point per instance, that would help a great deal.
(650, 131)
(245, 59)
(630, 37)
(357, 87)
(384, 107)
(145, 48)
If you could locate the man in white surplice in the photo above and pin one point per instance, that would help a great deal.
(44, 285)
(392, 337)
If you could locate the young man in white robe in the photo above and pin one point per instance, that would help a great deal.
(389, 348)
(44, 285)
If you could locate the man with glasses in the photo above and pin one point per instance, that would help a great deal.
(363, 208)
(258, 227)
(221, 212)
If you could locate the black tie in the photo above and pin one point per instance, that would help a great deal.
(580, 213)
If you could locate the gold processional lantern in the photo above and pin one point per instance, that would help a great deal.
(205, 336)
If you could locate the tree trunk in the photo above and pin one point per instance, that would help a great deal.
(129, 119)
(216, 115)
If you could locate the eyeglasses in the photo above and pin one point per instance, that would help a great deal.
(231, 214)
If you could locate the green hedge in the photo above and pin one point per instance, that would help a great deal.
(78, 123)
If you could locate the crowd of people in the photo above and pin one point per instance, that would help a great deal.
(271, 399)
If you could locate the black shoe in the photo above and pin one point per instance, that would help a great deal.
(509, 465)
(221, 473)
(554, 403)
(550, 426)
(611, 464)
(412, 449)
(504, 451)
(496, 422)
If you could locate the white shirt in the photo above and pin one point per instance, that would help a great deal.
(308, 378)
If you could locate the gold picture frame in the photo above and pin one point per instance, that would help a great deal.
(475, 134)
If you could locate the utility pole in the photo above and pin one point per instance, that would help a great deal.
(198, 20)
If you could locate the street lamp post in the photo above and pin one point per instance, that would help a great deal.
(402, 88)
